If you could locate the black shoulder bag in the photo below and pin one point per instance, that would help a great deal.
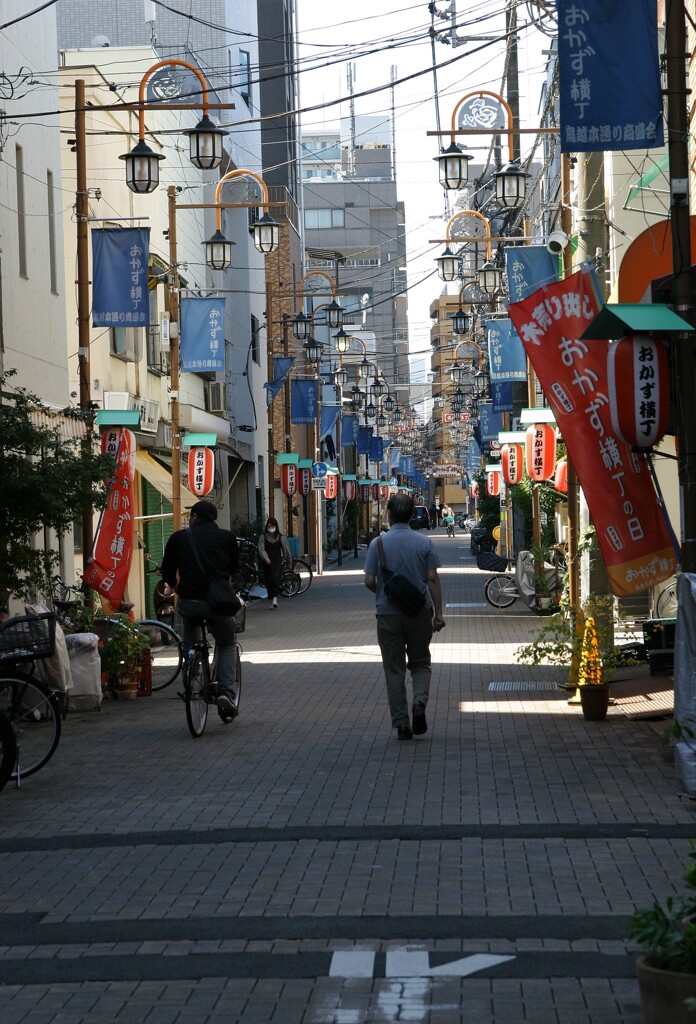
(407, 598)
(221, 596)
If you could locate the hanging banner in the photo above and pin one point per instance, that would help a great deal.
(201, 471)
(376, 449)
(506, 355)
(120, 296)
(202, 343)
(394, 458)
(327, 418)
(501, 396)
(407, 465)
(349, 431)
(304, 401)
(281, 368)
(529, 267)
(490, 423)
(631, 530)
(609, 75)
(364, 440)
(108, 568)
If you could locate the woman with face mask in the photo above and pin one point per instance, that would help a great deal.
(275, 554)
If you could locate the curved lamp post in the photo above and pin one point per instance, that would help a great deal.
(218, 249)
(301, 325)
(205, 140)
(489, 276)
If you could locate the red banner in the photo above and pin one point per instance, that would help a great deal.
(631, 530)
(107, 570)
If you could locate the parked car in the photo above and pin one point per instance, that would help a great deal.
(420, 520)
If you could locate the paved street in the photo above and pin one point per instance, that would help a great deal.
(302, 866)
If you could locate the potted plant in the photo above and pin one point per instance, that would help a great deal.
(667, 967)
(594, 688)
(121, 651)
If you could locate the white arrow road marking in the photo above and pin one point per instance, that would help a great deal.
(352, 964)
(469, 965)
(403, 963)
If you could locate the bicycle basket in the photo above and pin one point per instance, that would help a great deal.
(491, 562)
(27, 637)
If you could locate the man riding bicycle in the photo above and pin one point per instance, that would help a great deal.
(219, 556)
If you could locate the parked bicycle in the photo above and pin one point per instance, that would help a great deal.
(32, 707)
(200, 682)
(667, 604)
(8, 749)
(293, 581)
(512, 579)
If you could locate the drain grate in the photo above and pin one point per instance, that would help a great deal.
(523, 684)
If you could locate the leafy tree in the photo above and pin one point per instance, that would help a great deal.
(48, 482)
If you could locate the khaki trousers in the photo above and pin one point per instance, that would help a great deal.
(404, 641)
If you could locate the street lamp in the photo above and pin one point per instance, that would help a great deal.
(205, 140)
(341, 377)
(301, 325)
(342, 340)
(453, 166)
(218, 250)
(313, 350)
(489, 276)
(364, 368)
(447, 265)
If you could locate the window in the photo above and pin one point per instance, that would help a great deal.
(319, 219)
(255, 352)
(245, 76)
(126, 343)
(21, 216)
(51, 233)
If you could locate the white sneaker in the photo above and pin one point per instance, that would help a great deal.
(275, 603)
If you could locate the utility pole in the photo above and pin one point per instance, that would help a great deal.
(174, 358)
(269, 408)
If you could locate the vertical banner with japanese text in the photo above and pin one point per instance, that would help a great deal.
(304, 401)
(631, 530)
(609, 75)
(120, 295)
(506, 355)
(529, 267)
(202, 344)
(107, 570)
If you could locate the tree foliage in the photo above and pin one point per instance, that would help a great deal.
(48, 482)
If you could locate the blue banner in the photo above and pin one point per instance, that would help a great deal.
(202, 343)
(528, 267)
(407, 465)
(281, 368)
(120, 296)
(490, 423)
(473, 459)
(376, 449)
(304, 401)
(506, 355)
(395, 458)
(327, 418)
(609, 75)
(364, 440)
(349, 431)
(501, 396)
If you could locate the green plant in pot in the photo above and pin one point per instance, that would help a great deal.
(667, 967)
(120, 652)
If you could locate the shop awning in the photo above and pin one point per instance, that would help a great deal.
(613, 321)
(154, 473)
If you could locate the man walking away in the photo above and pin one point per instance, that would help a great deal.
(404, 640)
(219, 556)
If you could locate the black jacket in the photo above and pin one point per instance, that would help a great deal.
(217, 550)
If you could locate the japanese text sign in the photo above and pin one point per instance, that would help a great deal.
(202, 335)
(120, 296)
(107, 570)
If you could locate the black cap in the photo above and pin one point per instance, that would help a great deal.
(204, 510)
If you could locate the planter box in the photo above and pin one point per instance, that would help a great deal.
(662, 994)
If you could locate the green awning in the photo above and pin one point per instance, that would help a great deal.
(658, 169)
(613, 321)
(119, 418)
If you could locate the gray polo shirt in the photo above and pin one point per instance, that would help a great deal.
(406, 551)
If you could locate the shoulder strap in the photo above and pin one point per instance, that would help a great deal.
(196, 553)
(382, 557)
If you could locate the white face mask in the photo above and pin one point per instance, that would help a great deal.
(272, 529)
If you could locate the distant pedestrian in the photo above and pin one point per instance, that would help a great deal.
(275, 554)
(404, 640)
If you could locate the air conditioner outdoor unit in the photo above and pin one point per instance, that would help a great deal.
(217, 396)
(119, 400)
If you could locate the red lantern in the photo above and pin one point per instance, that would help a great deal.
(349, 489)
(331, 488)
(638, 387)
(540, 451)
(474, 490)
(365, 492)
(512, 460)
(493, 483)
(304, 482)
(201, 471)
(288, 479)
(560, 480)
(383, 491)
(375, 492)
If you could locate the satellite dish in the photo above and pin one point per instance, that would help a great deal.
(100, 41)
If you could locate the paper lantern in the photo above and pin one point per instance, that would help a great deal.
(540, 451)
(201, 471)
(383, 491)
(512, 460)
(474, 490)
(560, 479)
(638, 388)
(304, 481)
(349, 489)
(288, 479)
(365, 492)
(493, 483)
(331, 488)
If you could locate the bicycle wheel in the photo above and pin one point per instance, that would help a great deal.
(8, 749)
(166, 651)
(500, 591)
(304, 571)
(666, 607)
(34, 712)
(289, 583)
(195, 690)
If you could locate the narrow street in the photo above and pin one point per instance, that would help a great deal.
(302, 866)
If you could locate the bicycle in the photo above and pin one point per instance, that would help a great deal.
(292, 581)
(667, 604)
(32, 707)
(304, 571)
(8, 749)
(200, 685)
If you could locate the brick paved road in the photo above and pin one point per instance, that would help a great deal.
(304, 867)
